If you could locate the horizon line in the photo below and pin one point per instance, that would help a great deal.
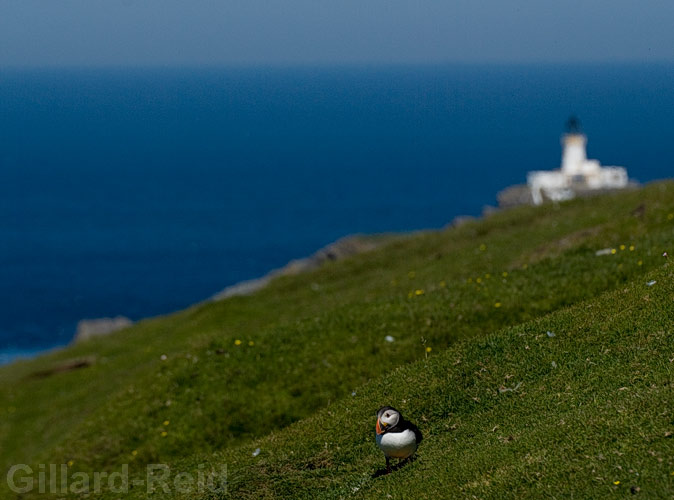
(337, 64)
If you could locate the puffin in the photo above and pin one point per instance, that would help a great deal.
(396, 437)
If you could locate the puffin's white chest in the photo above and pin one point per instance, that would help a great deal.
(397, 444)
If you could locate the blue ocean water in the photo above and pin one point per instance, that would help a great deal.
(139, 192)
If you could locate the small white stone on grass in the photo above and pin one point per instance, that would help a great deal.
(550, 334)
(256, 452)
(388, 338)
(651, 283)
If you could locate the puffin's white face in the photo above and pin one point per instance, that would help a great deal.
(389, 418)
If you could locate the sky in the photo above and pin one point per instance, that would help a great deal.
(277, 32)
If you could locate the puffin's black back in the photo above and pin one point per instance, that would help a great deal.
(415, 429)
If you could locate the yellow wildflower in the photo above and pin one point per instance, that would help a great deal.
(497, 304)
(166, 422)
(237, 342)
(483, 247)
(622, 247)
(428, 349)
(251, 343)
(640, 263)
(505, 274)
(631, 248)
(616, 482)
(613, 251)
(70, 463)
(418, 292)
(164, 434)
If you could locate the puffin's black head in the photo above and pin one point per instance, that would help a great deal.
(387, 417)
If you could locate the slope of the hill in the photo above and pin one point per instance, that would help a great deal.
(216, 376)
(576, 404)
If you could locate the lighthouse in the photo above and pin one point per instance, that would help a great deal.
(577, 174)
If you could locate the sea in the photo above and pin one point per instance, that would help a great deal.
(140, 191)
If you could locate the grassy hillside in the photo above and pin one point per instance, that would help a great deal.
(583, 411)
(298, 369)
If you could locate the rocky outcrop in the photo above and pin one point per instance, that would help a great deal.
(520, 194)
(88, 328)
(514, 196)
(340, 249)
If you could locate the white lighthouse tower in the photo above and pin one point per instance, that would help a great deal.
(577, 174)
(575, 165)
(573, 154)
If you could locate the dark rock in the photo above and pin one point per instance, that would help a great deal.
(65, 366)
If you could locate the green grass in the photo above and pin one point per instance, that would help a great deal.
(587, 416)
(516, 414)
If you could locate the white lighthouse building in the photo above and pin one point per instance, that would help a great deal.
(577, 174)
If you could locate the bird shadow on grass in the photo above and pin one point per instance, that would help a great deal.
(401, 463)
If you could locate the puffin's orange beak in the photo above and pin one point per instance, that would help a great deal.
(378, 427)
